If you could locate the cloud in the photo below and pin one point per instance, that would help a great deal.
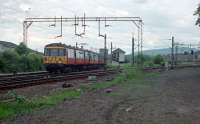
(162, 19)
(140, 1)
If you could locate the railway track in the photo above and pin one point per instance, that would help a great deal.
(160, 68)
(153, 69)
(24, 80)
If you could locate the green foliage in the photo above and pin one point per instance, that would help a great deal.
(158, 60)
(149, 64)
(18, 98)
(129, 73)
(140, 58)
(21, 59)
(10, 59)
(22, 49)
(197, 13)
(34, 61)
(22, 105)
(58, 97)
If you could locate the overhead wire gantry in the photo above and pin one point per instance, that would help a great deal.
(137, 21)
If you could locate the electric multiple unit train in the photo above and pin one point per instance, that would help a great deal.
(63, 58)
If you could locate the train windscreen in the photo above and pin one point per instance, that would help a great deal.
(54, 52)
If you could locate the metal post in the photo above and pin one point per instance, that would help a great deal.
(26, 25)
(176, 55)
(138, 56)
(61, 28)
(111, 52)
(133, 54)
(105, 50)
(172, 53)
(141, 43)
(24, 33)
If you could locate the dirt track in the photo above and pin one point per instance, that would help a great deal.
(171, 98)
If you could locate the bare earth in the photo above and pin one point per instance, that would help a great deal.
(173, 97)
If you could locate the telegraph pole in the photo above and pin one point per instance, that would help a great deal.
(172, 53)
(133, 54)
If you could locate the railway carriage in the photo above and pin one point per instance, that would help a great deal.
(62, 58)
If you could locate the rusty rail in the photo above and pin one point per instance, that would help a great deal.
(14, 82)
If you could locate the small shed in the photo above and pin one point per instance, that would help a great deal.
(118, 55)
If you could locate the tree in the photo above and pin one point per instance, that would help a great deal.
(21, 49)
(197, 13)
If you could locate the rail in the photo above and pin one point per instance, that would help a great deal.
(19, 81)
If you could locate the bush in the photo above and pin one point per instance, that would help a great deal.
(34, 62)
(10, 59)
(158, 60)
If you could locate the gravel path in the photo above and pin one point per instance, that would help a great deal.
(171, 98)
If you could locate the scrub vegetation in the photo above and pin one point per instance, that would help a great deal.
(20, 59)
(21, 105)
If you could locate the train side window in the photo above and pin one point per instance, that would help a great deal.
(77, 54)
(94, 56)
(90, 56)
(73, 53)
(86, 55)
(81, 53)
(65, 51)
(70, 53)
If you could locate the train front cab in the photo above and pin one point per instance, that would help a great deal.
(54, 58)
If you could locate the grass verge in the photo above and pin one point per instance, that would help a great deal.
(17, 107)
(129, 74)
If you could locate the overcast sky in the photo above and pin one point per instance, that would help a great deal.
(162, 19)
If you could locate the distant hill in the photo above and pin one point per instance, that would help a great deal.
(166, 51)
(6, 46)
